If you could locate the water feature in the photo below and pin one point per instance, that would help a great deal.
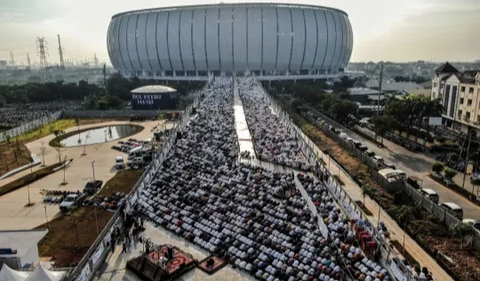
(101, 135)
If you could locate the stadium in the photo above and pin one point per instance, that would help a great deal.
(268, 40)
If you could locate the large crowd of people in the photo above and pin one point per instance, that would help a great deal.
(273, 141)
(14, 115)
(257, 219)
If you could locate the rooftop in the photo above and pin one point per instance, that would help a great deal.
(446, 68)
(151, 89)
(206, 6)
(24, 241)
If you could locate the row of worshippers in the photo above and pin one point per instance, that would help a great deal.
(202, 194)
(14, 115)
(273, 141)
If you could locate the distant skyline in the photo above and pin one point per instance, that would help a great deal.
(384, 30)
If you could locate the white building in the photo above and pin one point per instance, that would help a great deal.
(459, 93)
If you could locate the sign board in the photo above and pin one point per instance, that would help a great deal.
(98, 253)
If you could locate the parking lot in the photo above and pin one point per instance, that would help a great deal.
(418, 165)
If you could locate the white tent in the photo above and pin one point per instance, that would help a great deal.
(41, 274)
(8, 274)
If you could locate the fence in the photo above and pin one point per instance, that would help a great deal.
(29, 126)
(105, 114)
(96, 255)
(389, 260)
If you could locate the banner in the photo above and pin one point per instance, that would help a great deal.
(397, 273)
(84, 274)
(98, 253)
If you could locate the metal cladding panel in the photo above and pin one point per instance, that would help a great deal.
(186, 40)
(132, 43)
(122, 43)
(199, 38)
(162, 49)
(116, 44)
(151, 41)
(269, 38)
(254, 36)
(331, 40)
(213, 56)
(338, 43)
(226, 39)
(142, 42)
(350, 41)
(174, 40)
(240, 38)
(111, 45)
(284, 38)
(311, 41)
(298, 48)
(341, 64)
(322, 40)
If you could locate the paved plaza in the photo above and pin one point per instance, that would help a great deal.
(13, 214)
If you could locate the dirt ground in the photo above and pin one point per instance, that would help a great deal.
(123, 181)
(71, 235)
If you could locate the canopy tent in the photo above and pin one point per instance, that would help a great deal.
(41, 274)
(8, 274)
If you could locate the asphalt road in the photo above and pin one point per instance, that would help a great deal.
(419, 165)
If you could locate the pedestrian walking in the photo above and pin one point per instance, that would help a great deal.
(125, 246)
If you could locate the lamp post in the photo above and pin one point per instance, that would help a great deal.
(46, 217)
(94, 206)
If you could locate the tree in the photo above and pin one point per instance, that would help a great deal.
(406, 214)
(461, 230)
(450, 173)
(365, 190)
(384, 124)
(475, 182)
(437, 167)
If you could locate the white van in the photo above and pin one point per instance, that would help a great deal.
(119, 164)
(430, 194)
(378, 161)
(453, 209)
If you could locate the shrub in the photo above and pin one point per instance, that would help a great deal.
(437, 167)
(449, 173)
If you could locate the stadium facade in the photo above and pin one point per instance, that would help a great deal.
(265, 39)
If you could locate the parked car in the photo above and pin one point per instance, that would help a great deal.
(370, 153)
(413, 181)
(137, 161)
(378, 161)
(119, 164)
(72, 200)
(92, 186)
(453, 209)
(362, 148)
(472, 222)
(430, 194)
(389, 165)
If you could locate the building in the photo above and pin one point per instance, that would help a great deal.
(154, 97)
(459, 93)
(392, 87)
(264, 39)
(18, 248)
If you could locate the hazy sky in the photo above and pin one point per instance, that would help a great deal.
(395, 30)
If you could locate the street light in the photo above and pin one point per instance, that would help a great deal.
(95, 206)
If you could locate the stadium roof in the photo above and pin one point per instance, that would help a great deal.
(291, 5)
(153, 89)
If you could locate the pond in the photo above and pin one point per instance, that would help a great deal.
(101, 135)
